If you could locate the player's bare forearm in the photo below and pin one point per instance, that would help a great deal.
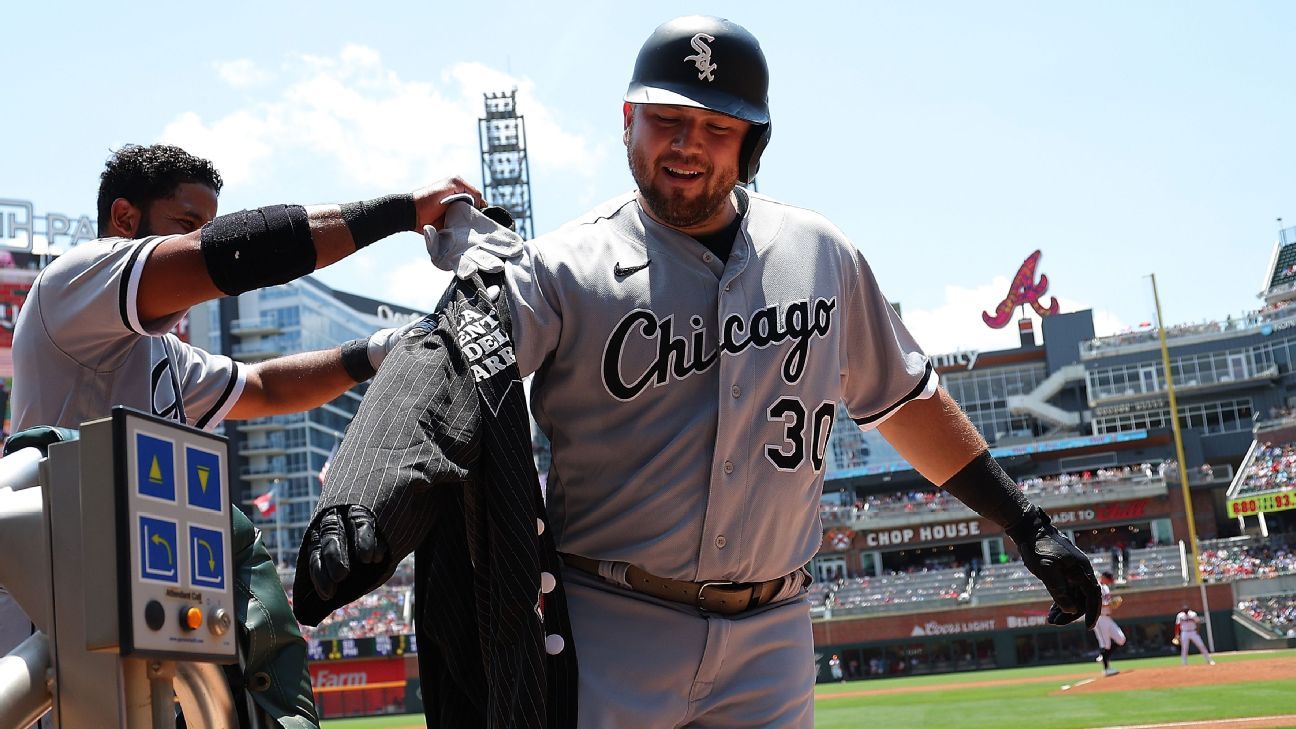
(934, 436)
(292, 384)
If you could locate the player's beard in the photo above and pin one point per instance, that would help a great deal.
(673, 208)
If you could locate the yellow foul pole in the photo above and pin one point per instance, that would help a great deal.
(1193, 559)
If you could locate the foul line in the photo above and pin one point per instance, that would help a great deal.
(1210, 722)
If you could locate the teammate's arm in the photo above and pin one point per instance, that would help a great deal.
(291, 384)
(199, 266)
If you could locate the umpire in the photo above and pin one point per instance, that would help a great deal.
(93, 333)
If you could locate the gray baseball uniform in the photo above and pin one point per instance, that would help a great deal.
(79, 343)
(79, 347)
(689, 401)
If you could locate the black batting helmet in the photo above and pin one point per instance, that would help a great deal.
(708, 63)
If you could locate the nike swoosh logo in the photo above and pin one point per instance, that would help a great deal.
(619, 271)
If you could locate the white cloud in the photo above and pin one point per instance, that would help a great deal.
(418, 285)
(377, 129)
(241, 74)
(957, 324)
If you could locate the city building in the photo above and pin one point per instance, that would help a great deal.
(277, 460)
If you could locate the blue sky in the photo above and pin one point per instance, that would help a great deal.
(947, 139)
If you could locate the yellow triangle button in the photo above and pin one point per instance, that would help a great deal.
(203, 473)
(155, 472)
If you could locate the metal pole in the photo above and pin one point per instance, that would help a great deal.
(1193, 563)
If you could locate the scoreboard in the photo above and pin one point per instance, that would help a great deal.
(1262, 503)
(383, 646)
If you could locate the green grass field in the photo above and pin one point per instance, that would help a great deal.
(1025, 704)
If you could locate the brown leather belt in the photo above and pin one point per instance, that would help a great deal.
(722, 598)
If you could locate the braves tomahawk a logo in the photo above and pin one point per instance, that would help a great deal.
(702, 59)
(681, 356)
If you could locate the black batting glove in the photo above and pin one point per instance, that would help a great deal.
(344, 535)
(1063, 569)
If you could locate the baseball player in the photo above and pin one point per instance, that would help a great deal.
(1106, 629)
(1186, 632)
(691, 342)
(93, 333)
(835, 668)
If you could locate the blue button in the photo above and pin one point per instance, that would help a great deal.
(157, 549)
(155, 467)
(203, 477)
(206, 557)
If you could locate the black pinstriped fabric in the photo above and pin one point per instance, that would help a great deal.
(440, 450)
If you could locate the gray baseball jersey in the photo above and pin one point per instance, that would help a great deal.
(79, 343)
(688, 399)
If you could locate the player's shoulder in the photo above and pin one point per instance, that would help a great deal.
(601, 220)
(611, 223)
(775, 222)
(90, 254)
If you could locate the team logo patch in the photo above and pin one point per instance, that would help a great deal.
(702, 59)
(680, 356)
(167, 401)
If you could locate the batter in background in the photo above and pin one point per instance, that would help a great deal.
(691, 342)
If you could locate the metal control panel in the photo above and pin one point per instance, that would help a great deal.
(167, 556)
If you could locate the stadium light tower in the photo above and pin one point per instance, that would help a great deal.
(506, 175)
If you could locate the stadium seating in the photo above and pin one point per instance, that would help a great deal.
(1011, 581)
(1223, 560)
(924, 590)
(386, 611)
(1272, 467)
(1276, 612)
(1154, 566)
(1059, 489)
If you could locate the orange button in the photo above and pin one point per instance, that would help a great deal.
(192, 618)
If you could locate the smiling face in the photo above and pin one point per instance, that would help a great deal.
(685, 163)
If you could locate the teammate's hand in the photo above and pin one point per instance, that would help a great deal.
(430, 205)
(1063, 569)
(343, 534)
(382, 341)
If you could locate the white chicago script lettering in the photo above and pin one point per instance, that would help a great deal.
(680, 356)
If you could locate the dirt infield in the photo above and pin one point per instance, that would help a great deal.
(1194, 674)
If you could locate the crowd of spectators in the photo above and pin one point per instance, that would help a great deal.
(1277, 612)
(1248, 320)
(896, 589)
(936, 500)
(385, 611)
(1272, 468)
(1222, 563)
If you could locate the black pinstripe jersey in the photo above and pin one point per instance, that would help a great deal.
(440, 450)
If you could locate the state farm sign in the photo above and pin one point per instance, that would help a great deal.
(917, 535)
(338, 674)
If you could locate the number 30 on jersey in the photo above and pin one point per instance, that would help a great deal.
(804, 433)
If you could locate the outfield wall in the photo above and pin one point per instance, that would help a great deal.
(1005, 636)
